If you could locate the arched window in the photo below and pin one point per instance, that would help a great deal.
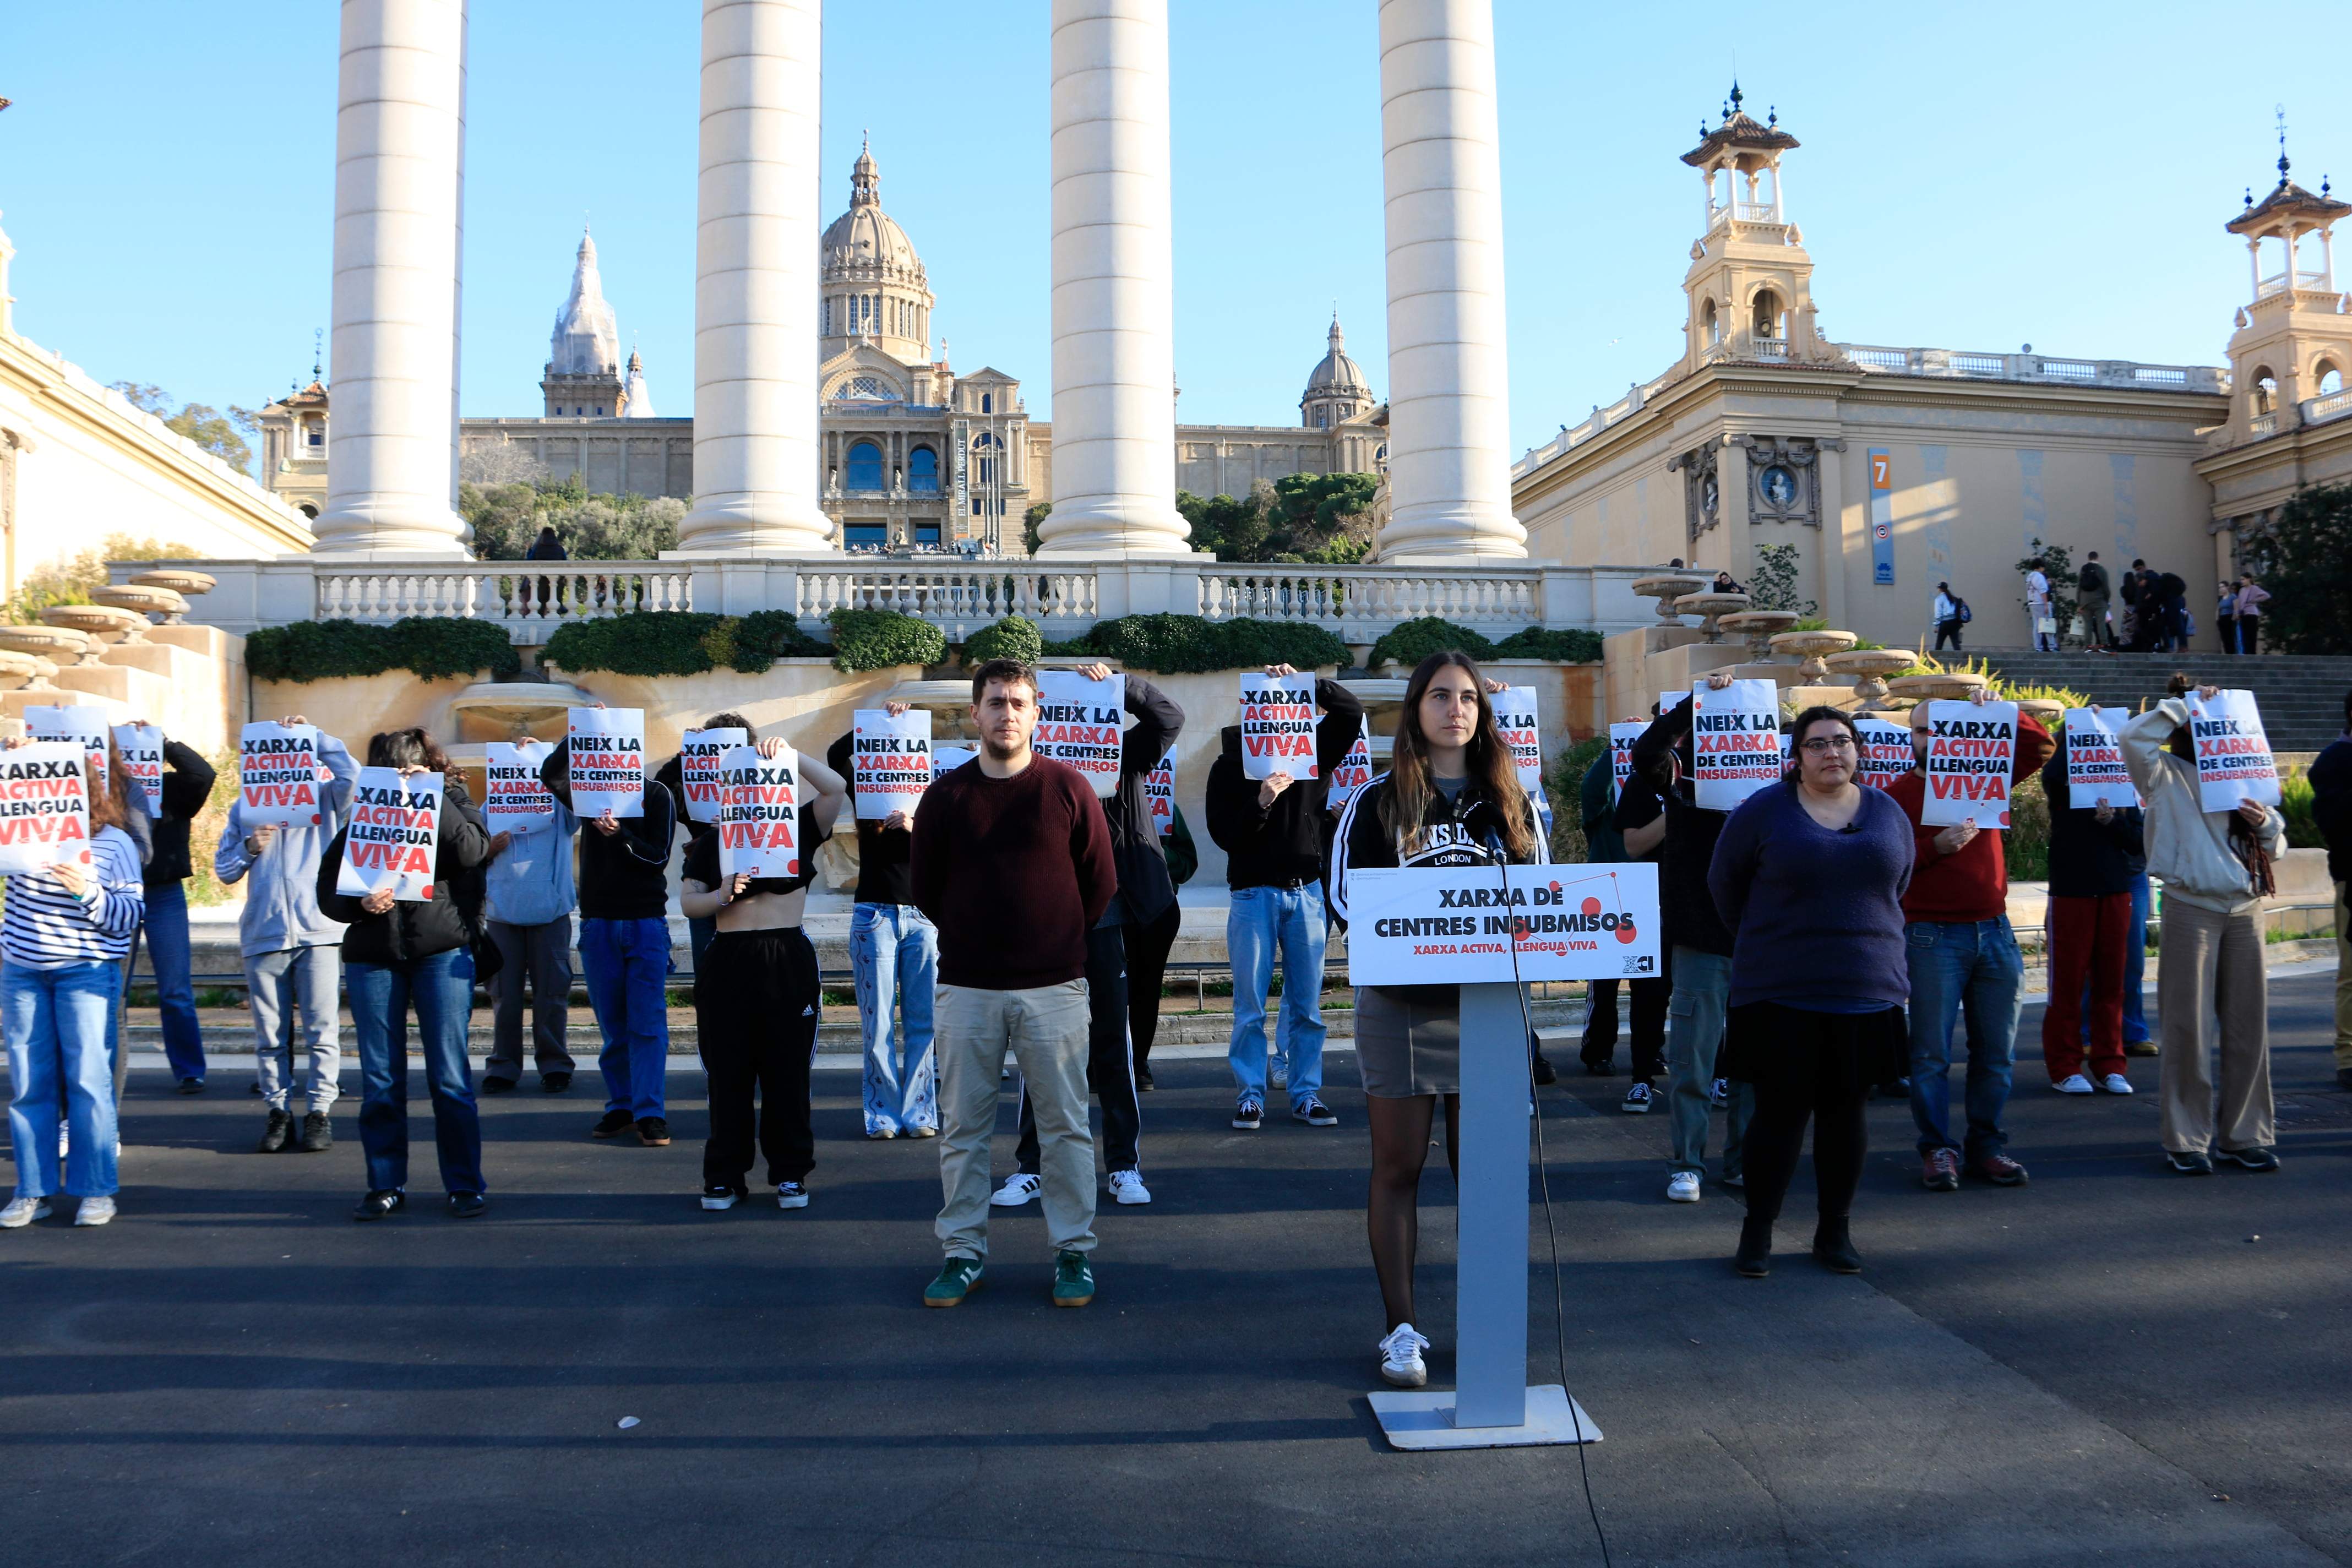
(2327, 378)
(987, 403)
(2265, 390)
(1712, 324)
(1768, 315)
(1323, 419)
(865, 466)
(984, 447)
(923, 471)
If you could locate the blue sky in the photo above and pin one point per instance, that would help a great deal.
(1970, 178)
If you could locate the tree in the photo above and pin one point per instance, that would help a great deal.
(507, 519)
(1029, 522)
(2305, 559)
(69, 580)
(1772, 580)
(211, 430)
(500, 462)
(2057, 564)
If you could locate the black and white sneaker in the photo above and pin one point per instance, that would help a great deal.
(1718, 1093)
(2255, 1159)
(1637, 1098)
(791, 1195)
(1250, 1114)
(2188, 1162)
(716, 1198)
(1314, 1113)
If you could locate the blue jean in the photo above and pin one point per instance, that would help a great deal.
(626, 965)
(56, 1021)
(894, 954)
(1258, 920)
(165, 927)
(441, 987)
(2135, 972)
(1695, 1019)
(1958, 967)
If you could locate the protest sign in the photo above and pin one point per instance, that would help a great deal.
(947, 759)
(1160, 793)
(1972, 750)
(84, 722)
(2094, 759)
(889, 761)
(606, 760)
(1355, 769)
(1670, 701)
(1620, 753)
(759, 814)
(1079, 723)
(278, 776)
(141, 747)
(1735, 742)
(1515, 716)
(44, 807)
(699, 751)
(1459, 924)
(2233, 756)
(1885, 751)
(394, 834)
(515, 801)
(1277, 726)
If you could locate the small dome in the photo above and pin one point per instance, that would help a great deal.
(639, 404)
(865, 242)
(1338, 375)
(586, 339)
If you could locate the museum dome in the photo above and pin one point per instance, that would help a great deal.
(1338, 375)
(866, 243)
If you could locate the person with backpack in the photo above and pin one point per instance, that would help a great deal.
(1952, 613)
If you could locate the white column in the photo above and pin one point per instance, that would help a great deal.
(2254, 261)
(1114, 319)
(755, 283)
(400, 132)
(1449, 435)
(2327, 259)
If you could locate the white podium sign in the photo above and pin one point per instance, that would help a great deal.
(1459, 925)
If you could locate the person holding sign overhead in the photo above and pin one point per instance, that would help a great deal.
(531, 898)
(410, 945)
(893, 957)
(2216, 871)
(692, 779)
(2094, 857)
(177, 783)
(1451, 797)
(75, 894)
(755, 992)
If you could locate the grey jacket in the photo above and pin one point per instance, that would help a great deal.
(281, 899)
(2187, 847)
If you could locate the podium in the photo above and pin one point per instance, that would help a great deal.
(1473, 927)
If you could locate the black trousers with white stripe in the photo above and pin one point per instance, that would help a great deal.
(1111, 1065)
(755, 1013)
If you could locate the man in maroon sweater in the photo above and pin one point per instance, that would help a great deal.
(1012, 861)
(1963, 957)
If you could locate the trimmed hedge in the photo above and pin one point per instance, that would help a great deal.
(1014, 636)
(1188, 645)
(678, 642)
(1577, 646)
(877, 639)
(1413, 641)
(433, 647)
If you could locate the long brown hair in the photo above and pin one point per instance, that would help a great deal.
(110, 805)
(1492, 772)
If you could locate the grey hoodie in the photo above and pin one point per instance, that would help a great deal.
(281, 900)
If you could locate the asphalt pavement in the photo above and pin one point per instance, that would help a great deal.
(2111, 1365)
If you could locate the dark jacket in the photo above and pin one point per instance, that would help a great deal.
(1183, 856)
(2088, 859)
(1281, 845)
(450, 918)
(1453, 834)
(1690, 917)
(1143, 880)
(625, 876)
(1604, 843)
(546, 548)
(187, 784)
(2092, 581)
(2331, 805)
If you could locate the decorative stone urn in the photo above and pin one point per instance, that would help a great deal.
(1710, 608)
(1947, 687)
(188, 583)
(515, 706)
(144, 600)
(1667, 589)
(22, 669)
(61, 645)
(2047, 711)
(1759, 627)
(1870, 666)
(1809, 648)
(100, 621)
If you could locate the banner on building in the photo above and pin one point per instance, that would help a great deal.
(699, 751)
(141, 747)
(2233, 756)
(2094, 759)
(605, 761)
(1882, 517)
(513, 800)
(1474, 925)
(1972, 752)
(1079, 723)
(44, 807)
(1278, 725)
(392, 836)
(1735, 742)
(759, 814)
(278, 776)
(889, 761)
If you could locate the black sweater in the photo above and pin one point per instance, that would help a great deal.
(625, 876)
(1143, 879)
(187, 784)
(2331, 805)
(2089, 859)
(412, 930)
(1281, 845)
(1691, 919)
(884, 854)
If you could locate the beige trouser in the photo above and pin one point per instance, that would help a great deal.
(1047, 1030)
(2209, 972)
(2343, 979)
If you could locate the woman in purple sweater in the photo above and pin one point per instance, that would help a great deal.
(1809, 874)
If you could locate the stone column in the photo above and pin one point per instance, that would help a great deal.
(755, 283)
(400, 132)
(1449, 437)
(1114, 327)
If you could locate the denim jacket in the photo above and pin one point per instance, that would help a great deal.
(281, 902)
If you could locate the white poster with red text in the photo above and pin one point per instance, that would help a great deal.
(605, 761)
(1735, 742)
(1515, 716)
(2095, 775)
(44, 807)
(1885, 751)
(141, 747)
(278, 776)
(2233, 756)
(84, 722)
(514, 801)
(1079, 723)
(699, 751)
(1160, 793)
(1972, 752)
(1277, 726)
(889, 761)
(1622, 736)
(759, 814)
(1355, 769)
(394, 834)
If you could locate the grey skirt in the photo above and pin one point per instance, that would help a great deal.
(1408, 1044)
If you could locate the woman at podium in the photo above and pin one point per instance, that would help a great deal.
(1450, 797)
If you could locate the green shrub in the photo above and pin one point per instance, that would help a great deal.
(1188, 645)
(430, 647)
(1576, 646)
(1566, 788)
(2295, 804)
(2026, 840)
(877, 639)
(1014, 636)
(678, 642)
(1413, 641)
(764, 637)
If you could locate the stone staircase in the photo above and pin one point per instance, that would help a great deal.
(2302, 695)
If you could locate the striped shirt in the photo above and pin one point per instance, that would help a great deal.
(47, 927)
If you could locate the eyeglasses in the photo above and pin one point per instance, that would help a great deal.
(1821, 746)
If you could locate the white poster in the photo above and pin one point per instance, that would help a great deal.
(1972, 750)
(44, 807)
(140, 746)
(1515, 716)
(278, 776)
(2094, 759)
(1670, 701)
(514, 800)
(1452, 925)
(1735, 742)
(606, 761)
(85, 722)
(1079, 723)
(394, 834)
(1885, 751)
(1278, 725)
(699, 751)
(1621, 737)
(947, 759)
(1160, 792)
(759, 814)
(1355, 769)
(889, 761)
(2233, 756)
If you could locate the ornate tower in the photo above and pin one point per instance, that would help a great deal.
(583, 364)
(1338, 391)
(2294, 340)
(873, 286)
(1750, 281)
(639, 399)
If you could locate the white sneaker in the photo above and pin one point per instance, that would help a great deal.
(1277, 1075)
(2073, 1084)
(1128, 1187)
(2115, 1083)
(23, 1212)
(1681, 1187)
(65, 1140)
(1401, 1360)
(95, 1211)
(1018, 1189)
